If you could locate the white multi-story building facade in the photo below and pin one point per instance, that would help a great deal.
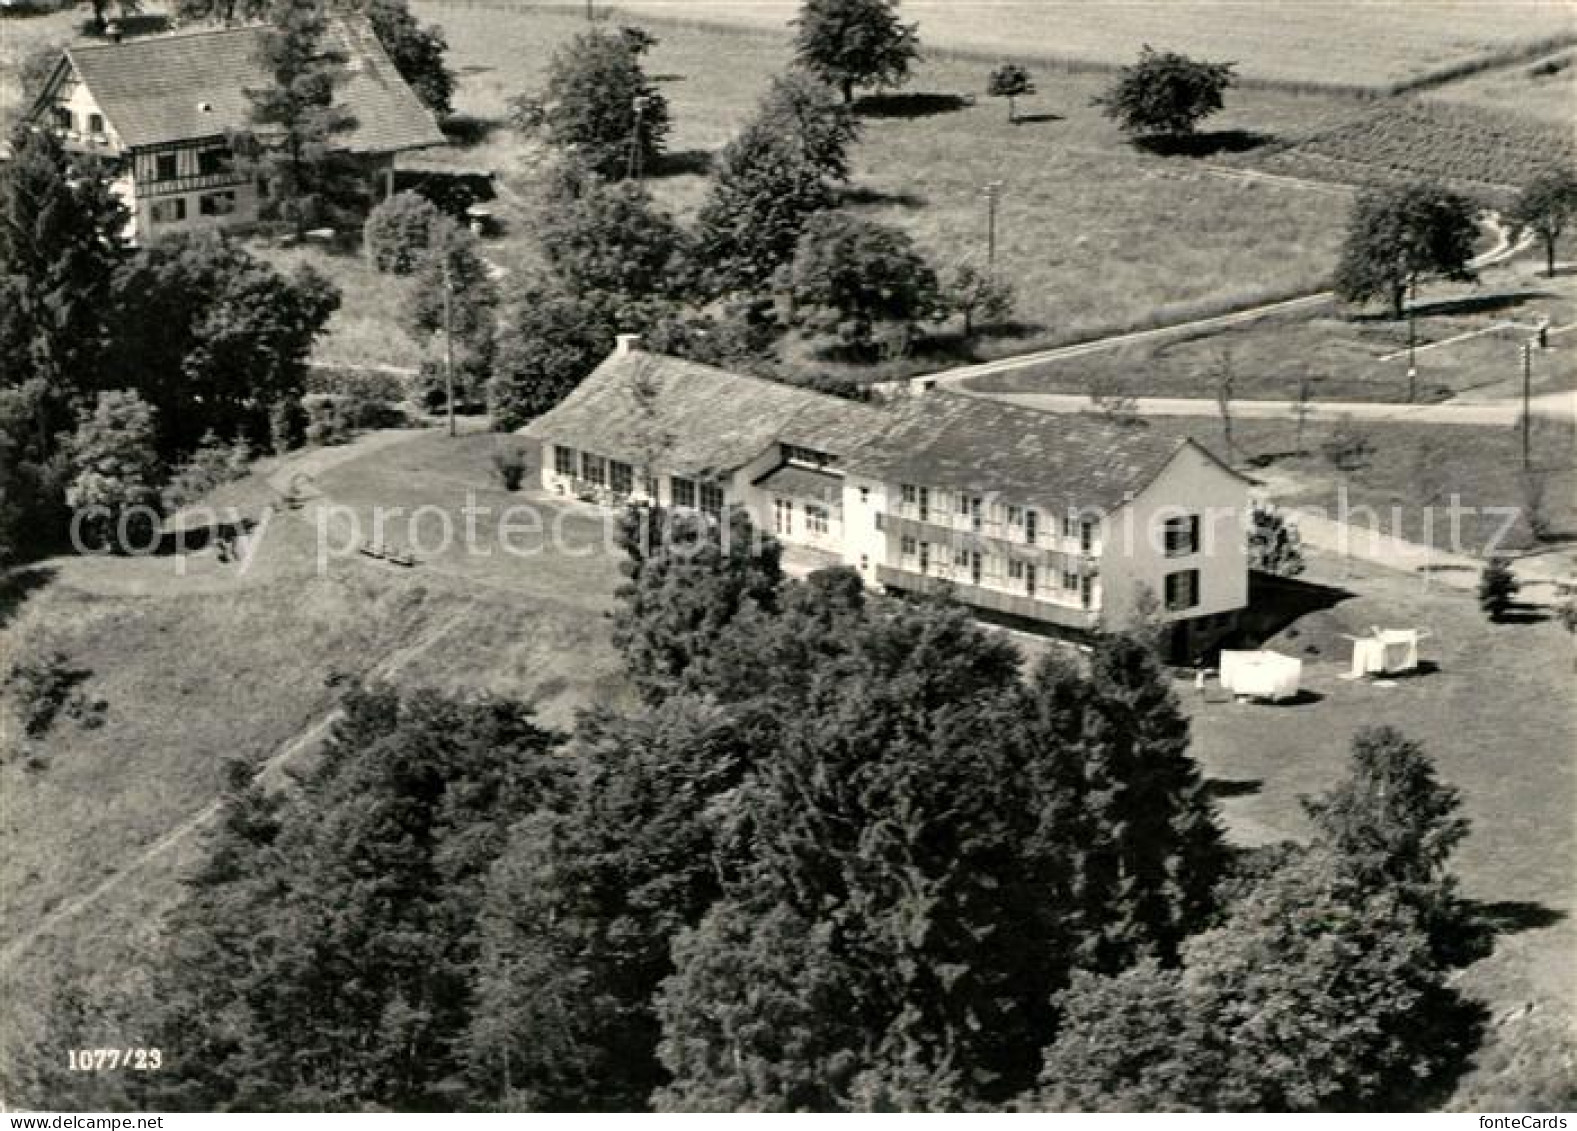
(1065, 522)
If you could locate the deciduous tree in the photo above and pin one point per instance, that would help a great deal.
(1274, 545)
(689, 575)
(1313, 995)
(115, 486)
(611, 240)
(214, 338)
(600, 103)
(852, 278)
(549, 340)
(767, 189)
(854, 43)
(1545, 207)
(1391, 824)
(1166, 94)
(1011, 81)
(416, 50)
(1397, 236)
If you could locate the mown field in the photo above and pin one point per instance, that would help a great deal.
(1093, 233)
(1495, 713)
(216, 664)
(1545, 89)
(1317, 41)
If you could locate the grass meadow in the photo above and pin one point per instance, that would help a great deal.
(1495, 713)
(1346, 42)
(198, 670)
(1093, 232)
(1470, 338)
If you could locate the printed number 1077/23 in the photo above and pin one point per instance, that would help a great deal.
(111, 1060)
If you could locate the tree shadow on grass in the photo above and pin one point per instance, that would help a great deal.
(1204, 144)
(1512, 916)
(17, 585)
(469, 130)
(1221, 788)
(1036, 119)
(865, 195)
(1479, 304)
(1522, 612)
(910, 104)
(684, 163)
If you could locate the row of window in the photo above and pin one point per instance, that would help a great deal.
(818, 519)
(211, 162)
(1023, 523)
(173, 210)
(66, 120)
(986, 569)
(618, 477)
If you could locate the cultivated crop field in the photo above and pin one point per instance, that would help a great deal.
(1328, 42)
(1447, 141)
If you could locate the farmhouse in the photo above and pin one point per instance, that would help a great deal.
(1060, 522)
(159, 111)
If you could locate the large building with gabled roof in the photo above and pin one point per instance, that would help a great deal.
(159, 111)
(1037, 519)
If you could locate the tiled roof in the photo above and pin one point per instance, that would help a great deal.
(698, 420)
(970, 444)
(164, 88)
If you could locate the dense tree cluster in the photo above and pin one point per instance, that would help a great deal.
(208, 337)
(846, 854)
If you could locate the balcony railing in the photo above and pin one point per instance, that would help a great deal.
(976, 596)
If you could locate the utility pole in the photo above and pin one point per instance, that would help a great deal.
(993, 195)
(449, 344)
(1527, 405)
(1412, 343)
(639, 107)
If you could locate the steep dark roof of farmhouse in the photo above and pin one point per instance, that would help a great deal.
(970, 444)
(697, 419)
(166, 88)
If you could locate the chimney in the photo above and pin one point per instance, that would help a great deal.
(627, 343)
(112, 31)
